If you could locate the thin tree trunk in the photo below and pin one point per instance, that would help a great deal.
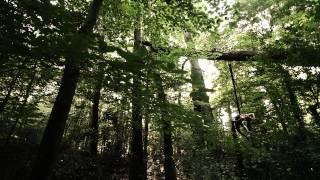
(94, 123)
(10, 89)
(314, 113)
(280, 115)
(53, 133)
(146, 142)
(169, 165)
(179, 95)
(118, 139)
(273, 94)
(314, 108)
(146, 122)
(296, 110)
(137, 163)
(78, 116)
(21, 109)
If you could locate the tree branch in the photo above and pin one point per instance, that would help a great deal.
(246, 55)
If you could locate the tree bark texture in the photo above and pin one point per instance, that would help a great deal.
(146, 122)
(200, 100)
(118, 145)
(53, 133)
(246, 55)
(137, 163)
(199, 96)
(169, 165)
(94, 124)
(145, 140)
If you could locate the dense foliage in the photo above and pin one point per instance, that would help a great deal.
(107, 89)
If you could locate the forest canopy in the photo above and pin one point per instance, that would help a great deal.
(159, 89)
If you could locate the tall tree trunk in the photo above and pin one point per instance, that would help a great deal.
(199, 95)
(314, 113)
(296, 110)
(314, 108)
(169, 165)
(280, 116)
(279, 113)
(137, 164)
(200, 100)
(117, 149)
(78, 116)
(94, 123)
(146, 142)
(180, 93)
(146, 120)
(53, 133)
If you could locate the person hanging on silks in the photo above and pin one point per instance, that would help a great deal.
(244, 121)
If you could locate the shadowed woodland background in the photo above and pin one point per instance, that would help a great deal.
(101, 89)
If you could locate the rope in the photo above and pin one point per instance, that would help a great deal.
(234, 87)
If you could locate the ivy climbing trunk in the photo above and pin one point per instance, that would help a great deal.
(137, 164)
(53, 133)
(169, 165)
(200, 98)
